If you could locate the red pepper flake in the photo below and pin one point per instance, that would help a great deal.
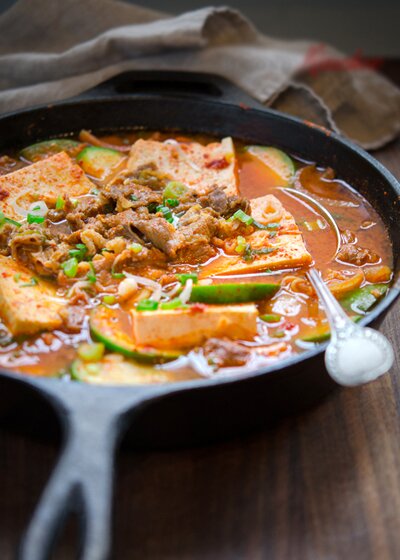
(3, 194)
(288, 326)
(197, 308)
(218, 164)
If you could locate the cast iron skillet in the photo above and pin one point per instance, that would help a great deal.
(94, 418)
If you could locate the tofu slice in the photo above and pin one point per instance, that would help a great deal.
(27, 309)
(185, 328)
(287, 246)
(44, 180)
(197, 166)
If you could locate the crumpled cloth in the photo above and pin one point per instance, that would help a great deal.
(51, 50)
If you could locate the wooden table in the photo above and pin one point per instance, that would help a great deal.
(321, 486)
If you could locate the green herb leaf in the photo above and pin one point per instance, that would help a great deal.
(17, 277)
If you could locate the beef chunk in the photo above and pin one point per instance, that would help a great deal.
(354, 254)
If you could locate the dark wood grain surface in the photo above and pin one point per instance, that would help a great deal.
(321, 486)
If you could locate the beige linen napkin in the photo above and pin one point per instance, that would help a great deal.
(51, 50)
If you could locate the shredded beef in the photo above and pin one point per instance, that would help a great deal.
(226, 353)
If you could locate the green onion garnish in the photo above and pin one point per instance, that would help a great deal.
(17, 277)
(117, 275)
(272, 225)
(33, 282)
(70, 267)
(173, 304)
(109, 299)
(33, 219)
(241, 244)
(241, 216)
(183, 278)
(79, 252)
(136, 247)
(60, 203)
(134, 198)
(174, 189)
(147, 305)
(166, 212)
(4, 220)
(91, 275)
(270, 318)
(171, 202)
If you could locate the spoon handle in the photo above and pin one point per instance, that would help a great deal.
(336, 315)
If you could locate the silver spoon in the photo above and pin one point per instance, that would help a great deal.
(355, 354)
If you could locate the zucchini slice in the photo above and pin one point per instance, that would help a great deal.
(113, 327)
(42, 150)
(363, 299)
(114, 369)
(232, 293)
(99, 162)
(276, 160)
(322, 332)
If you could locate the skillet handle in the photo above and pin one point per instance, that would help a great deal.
(177, 84)
(82, 481)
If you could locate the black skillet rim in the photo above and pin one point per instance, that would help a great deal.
(280, 366)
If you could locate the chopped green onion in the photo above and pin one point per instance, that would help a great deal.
(109, 299)
(91, 352)
(33, 282)
(60, 203)
(136, 247)
(166, 212)
(17, 277)
(152, 207)
(174, 189)
(171, 202)
(147, 305)
(70, 267)
(91, 275)
(95, 191)
(278, 334)
(117, 275)
(173, 304)
(264, 250)
(270, 318)
(241, 244)
(4, 220)
(105, 250)
(183, 278)
(272, 225)
(79, 252)
(134, 198)
(241, 216)
(32, 219)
